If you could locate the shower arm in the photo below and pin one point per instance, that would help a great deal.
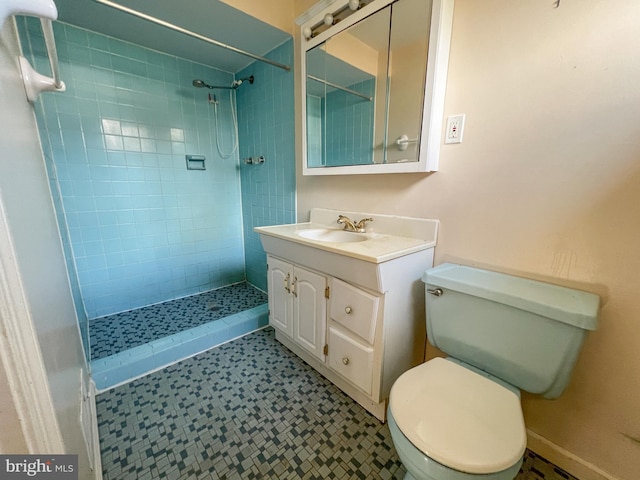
(189, 33)
(212, 87)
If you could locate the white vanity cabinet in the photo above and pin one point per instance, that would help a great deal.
(354, 311)
(297, 304)
(358, 338)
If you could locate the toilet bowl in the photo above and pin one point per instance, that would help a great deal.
(449, 422)
(460, 418)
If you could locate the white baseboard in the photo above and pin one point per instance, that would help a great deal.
(97, 463)
(90, 428)
(566, 460)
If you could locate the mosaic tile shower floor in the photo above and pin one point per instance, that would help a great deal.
(122, 331)
(249, 409)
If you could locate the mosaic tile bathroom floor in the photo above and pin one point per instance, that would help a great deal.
(248, 409)
(122, 331)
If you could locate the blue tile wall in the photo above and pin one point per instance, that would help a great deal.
(266, 125)
(143, 228)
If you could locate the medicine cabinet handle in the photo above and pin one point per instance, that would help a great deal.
(403, 142)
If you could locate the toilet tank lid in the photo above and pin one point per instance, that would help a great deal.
(573, 307)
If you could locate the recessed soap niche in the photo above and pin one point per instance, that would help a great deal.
(195, 162)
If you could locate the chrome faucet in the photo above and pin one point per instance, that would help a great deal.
(350, 226)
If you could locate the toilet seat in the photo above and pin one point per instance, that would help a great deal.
(459, 418)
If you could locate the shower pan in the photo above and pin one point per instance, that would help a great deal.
(130, 344)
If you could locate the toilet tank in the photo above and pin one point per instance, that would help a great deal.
(525, 332)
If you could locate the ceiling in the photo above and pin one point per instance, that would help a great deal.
(210, 18)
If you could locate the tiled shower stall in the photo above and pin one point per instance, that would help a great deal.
(138, 227)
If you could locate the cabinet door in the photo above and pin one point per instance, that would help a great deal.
(279, 278)
(309, 310)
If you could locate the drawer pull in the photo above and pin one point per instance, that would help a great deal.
(348, 310)
(345, 360)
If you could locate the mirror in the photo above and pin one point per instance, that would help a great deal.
(346, 80)
(373, 87)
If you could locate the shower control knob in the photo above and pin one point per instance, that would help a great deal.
(345, 360)
(348, 310)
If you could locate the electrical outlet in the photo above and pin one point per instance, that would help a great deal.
(455, 129)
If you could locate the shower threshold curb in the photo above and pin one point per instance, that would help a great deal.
(114, 370)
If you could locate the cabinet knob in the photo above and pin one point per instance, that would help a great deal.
(345, 360)
(348, 310)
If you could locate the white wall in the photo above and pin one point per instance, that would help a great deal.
(24, 191)
(278, 13)
(546, 185)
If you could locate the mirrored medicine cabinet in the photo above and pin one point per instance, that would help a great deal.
(373, 84)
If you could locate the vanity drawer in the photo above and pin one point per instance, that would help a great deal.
(351, 359)
(354, 309)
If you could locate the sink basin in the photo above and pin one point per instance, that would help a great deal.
(332, 236)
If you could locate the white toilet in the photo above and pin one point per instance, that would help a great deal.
(460, 418)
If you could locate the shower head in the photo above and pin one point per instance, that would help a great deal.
(201, 84)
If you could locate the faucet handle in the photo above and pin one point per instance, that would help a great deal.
(348, 224)
(360, 224)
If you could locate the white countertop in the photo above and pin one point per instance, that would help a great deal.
(378, 248)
